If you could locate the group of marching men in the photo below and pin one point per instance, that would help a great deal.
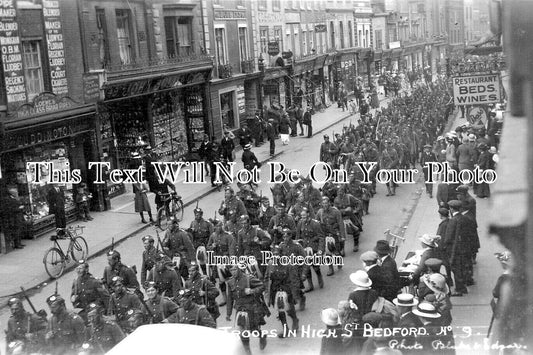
(180, 286)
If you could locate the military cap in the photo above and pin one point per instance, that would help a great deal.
(305, 209)
(113, 254)
(198, 210)
(247, 146)
(55, 299)
(244, 217)
(185, 293)
(483, 146)
(463, 189)
(229, 188)
(455, 204)
(148, 238)
(326, 136)
(444, 212)
(149, 284)
(434, 264)
(427, 146)
(14, 301)
(83, 263)
(286, 231)
(280, 205)
(369, 256)
(264, 198)
(167, 261)
(276, 248)
(215, 221)
(94, 307)
(115, 280)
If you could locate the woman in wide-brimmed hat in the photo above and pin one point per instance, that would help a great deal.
(362, 296)
(437, 293)
(332, 339)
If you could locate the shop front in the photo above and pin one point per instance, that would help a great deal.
(308, 80)
(67, 139)
(168, 113)
(276, 84)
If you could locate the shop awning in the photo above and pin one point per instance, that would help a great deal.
(14, 124)
(274, 73)
(397, 53)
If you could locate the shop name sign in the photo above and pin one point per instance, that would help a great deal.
(229, 15)
(476, 89)
(56, 48)
(43, 104)
(276, 17)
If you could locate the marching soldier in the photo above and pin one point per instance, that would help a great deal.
(266, 212)
(350, 208)
(251, 240)
(231, 208)
(280, 221)
(328, 152)
(178, 246)
(150, 257)
(24, 327)
(312, 236)
(191, 313)
(116, 268)
(221, 243)
(278, 286)
(427, 157)
(203, 291)
(251, 202)
(121, 302)
(159, 307)
(165, 277)
(86, 290)
(245, 294)
(330, 219)
(104, 334)
(296, 209)
(200, 229)
(297, 272)
(311, 195)
(389, 160)
(66, 331)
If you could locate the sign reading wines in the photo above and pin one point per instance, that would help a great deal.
(476, 89)
(56, 48)
(11, 55)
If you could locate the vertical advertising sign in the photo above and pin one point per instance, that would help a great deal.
(56, 48)
(11, 55)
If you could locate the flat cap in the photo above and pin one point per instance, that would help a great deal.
(456, 204)
(369, 256)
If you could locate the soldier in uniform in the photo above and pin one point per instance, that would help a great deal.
(190, 312)
(149, 258)
(266, 212)
(251, 240)
(200, 229)
(296, 209)
(279, 193)
(165, 277)
(251, 202)
(389, 160)
(177, 244)
(350, 208)
(245, 294)
(86, 290)
(328, 152)
(24, 327)
(159, 306)
(221, 243)
(231, 208)
(330, 219)
(66, 331)
(121, 302)
(278, 286)
(203, 291)
(427, 157)
(280, 221)
(116, 268)
(312, 236)
(298, 273)
(104, 334)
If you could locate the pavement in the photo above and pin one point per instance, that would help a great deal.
(25, 267)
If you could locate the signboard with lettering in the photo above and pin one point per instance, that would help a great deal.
(91, 87)
(43, 104)
(229, 15)
(240, 100)
(273, 48)
(11, 55)
(56, 48)
(476, 89)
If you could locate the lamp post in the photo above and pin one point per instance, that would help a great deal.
(261, 67)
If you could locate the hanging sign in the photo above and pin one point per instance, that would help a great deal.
(56, 48)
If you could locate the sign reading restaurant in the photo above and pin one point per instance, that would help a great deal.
(229, 15)
(476, 89)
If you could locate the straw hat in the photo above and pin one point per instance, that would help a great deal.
(360, 278)
(428, 240)
(436, 283)
(330, 316)
(405, 300)
(426, 310)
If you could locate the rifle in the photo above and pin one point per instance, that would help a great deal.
(147, 309)
(41, 313)
(55, 292)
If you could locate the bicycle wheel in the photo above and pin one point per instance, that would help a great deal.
(162, 219)
(79, 249)
(178, 210)
(54, 262)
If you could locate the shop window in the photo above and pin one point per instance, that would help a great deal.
(220, 41)
(263, 39)
(33, 68)
(243, 43)
(178, 33)
(103, 45)
(125, 37)
(227, 109)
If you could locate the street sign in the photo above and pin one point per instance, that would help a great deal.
(273, 48)
(477, 116)
(476, 89)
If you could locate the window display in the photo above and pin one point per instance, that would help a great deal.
(169, 127)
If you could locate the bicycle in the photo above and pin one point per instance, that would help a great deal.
(172, 208)
(55, 259)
